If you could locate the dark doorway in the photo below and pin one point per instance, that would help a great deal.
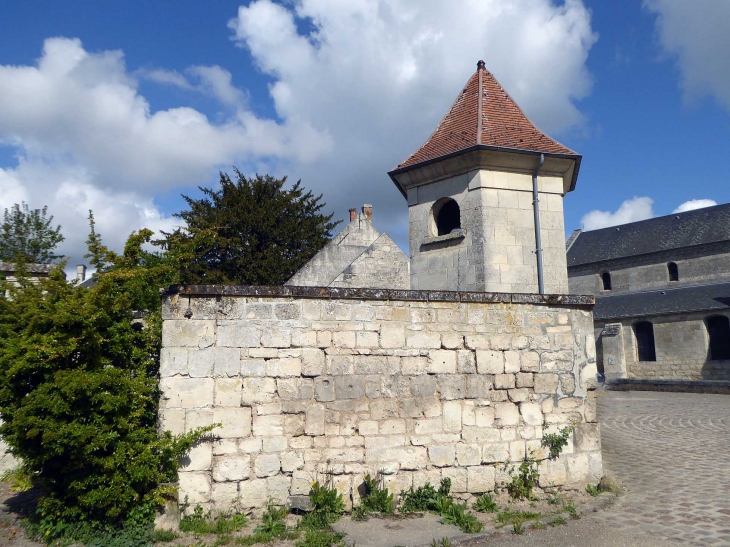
(644, 332)
(718, 329)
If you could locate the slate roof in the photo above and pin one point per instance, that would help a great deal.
(485, 116)
(715, 296)
(675, 231)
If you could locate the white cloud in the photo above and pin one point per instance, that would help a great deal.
(631, 210)
(85, 138)
(354, 96)
(693, 204)
(696, 34)
(378, 76)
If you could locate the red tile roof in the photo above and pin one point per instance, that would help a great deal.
(495, 120)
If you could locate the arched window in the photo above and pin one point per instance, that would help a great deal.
(446, 216)
(673, 271)
(644, 332)
(718, 329)
(606, 279)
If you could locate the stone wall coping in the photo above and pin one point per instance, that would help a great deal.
(717, 387)
(269, 291)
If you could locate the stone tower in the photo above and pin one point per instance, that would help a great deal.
(471, 191)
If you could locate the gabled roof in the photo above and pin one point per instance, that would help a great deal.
(698, 298)
(484, 115)
(675, 231)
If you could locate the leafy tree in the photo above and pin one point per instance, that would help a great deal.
(27, 236)
(262, 233)
(79, 391)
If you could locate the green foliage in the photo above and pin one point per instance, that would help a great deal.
(321, 538)
(19, 479)
(593, 490)
(443, 542)
(26, 236)
(79, 393)
(524, 480)
(571, 509)
(377, 498)
(555, 442)
(425, 498)
(164, 536)
(261, 233)
(517, 527)
(538, 525)
(202, 522)
(485, 504)
(327, 505)
(558, 521)
(457, 515)
(272, 521)
(508, 516)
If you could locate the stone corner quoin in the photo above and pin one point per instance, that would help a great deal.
(419, 388)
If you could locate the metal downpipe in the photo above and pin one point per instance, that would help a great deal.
(538, 238)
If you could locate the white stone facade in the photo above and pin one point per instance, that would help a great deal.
(497, 251)
(403, 382)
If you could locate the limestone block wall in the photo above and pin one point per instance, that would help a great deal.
(681, 345)
(497, 252)
(695, 265)
(419, 385)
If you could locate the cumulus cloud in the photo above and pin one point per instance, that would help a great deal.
(696, 35)
(631, 210)
(693, 204)
(378, 76)
(357, 87)
(85, 138)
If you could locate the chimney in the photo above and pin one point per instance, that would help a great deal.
(80, 273)
(367, 210)
(353, 214)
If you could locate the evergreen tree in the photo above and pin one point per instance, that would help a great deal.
(27, 236)
(262, 233)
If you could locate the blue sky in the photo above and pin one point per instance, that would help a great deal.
(120, 107)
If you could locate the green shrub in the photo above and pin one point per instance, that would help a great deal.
(202, 522)
(593, 490)
(457, 515)
(524, 481)
(272, 521)
(485, 504)
(555, 442)
(79, 394)
(164, 536)
(327, 506)
(377, 498)
(558, 521)
(425, 498)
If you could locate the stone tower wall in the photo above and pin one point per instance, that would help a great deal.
(419, 385)
(497, 252)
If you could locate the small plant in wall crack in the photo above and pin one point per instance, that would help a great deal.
(523, 480)
(555, 442)
(377, 498)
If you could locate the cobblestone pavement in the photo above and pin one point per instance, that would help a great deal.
(672, 453)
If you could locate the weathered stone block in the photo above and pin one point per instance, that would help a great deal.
(258, 391)
(480, 478)
(552, 473)
(276, 337)
(504, 381)
(253, 367)
(393, 427)
(452, 416)
(466, 362)
(424, 340)
(490, 362)
(477, 386)
(524, 379)
(279, 489)
(414, 365)
(349, 387)
(506, 414)
(224, 496)
(339, 364)
(371, 364)
(186, 333)
(441, 456)
(442, 362)
(531, 413)
(199, 458)
(518, 395)
(254, 494)
(227, 362)
(238, 334)
(180, 392)
(546, 383)
(172, 420)
(236, 422)
(265, 426)
(315, 416)
(312, 362)
(587, 437)
(267, 465)
(193, 486)
(284, 368)
(484, 416)
(173, 361)
(530, 361)
(232, 468)
(495, 452)
(468, 454)
(511, 362)
(228, 391)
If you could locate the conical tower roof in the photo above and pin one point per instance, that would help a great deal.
(484, 115)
